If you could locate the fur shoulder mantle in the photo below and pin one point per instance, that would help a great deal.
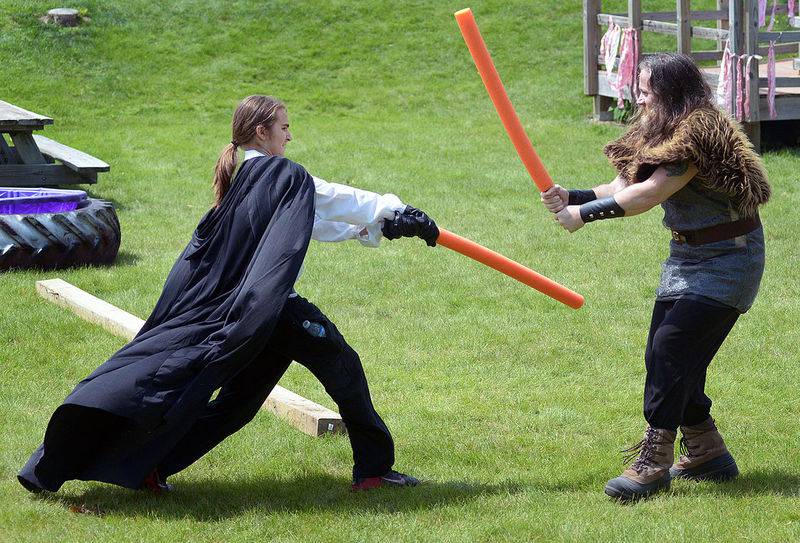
(709, 138)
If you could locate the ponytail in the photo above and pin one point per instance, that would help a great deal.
(223, 172)
(253, 111)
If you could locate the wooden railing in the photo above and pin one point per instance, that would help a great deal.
(737, 21)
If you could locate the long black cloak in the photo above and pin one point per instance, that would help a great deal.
(219, 306)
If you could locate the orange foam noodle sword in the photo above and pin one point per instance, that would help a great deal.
(491, 80)
(507, 266)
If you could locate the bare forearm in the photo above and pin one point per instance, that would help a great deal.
(664, 182)
(609, 189)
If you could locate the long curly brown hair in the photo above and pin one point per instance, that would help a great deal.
(679, 88)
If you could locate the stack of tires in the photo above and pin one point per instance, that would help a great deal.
(51, 229)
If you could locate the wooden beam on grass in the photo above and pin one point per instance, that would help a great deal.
(308, 417)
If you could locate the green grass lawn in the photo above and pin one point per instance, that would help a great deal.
(511, 407)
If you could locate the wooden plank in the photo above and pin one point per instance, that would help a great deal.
(90, 308)
(16, 127)
(788, 107)
(27, 148)
(71, 158)
(309, 417)
(605, 89)
(779, 81)
(660, 27)
(671, 16)
(780, 49)
(709, 15)
(305, 415)
(41, 175)
(7, 156)
(697, 55)
(607, 18)
(684, 27)
(706, 55)
(779, 37)
(16, 116)
(591, 46)
(709, 33)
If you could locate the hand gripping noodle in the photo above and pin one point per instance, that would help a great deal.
(491, 80)
(507, 266)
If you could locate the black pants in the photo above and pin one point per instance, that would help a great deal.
(330, 359)
(684, 337)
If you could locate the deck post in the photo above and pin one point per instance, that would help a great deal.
(752, 125)
(591, 50)
(635, 14)
(722, 25)
(683, 9)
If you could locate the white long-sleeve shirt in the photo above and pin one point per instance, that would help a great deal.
(342, 212)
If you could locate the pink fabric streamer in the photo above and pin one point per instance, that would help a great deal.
(634, 72)
(762, 12)
(724, 81)
(773, 112)
(747, 68)
(628, 62)
(772, 16)
(609, 46)
(740, 89)
(791, 9)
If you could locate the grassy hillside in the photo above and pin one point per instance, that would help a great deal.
(509, 405)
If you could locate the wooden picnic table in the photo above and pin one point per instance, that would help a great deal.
(31, 161)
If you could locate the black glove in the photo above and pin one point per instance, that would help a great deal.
(411, 222)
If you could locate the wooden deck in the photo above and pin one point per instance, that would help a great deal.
(783, 68)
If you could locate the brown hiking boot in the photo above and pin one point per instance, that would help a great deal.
(704, 456)
(649, 473)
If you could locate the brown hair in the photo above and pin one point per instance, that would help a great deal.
(679, 88)
(253, 111)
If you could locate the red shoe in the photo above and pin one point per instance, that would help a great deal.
(153, 483)
(390, 478)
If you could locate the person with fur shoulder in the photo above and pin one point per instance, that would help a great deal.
(687, 155)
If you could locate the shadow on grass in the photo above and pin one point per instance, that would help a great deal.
(125, 258)
(749, 483)
(214, 500)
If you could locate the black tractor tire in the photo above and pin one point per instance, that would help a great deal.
(88, 235)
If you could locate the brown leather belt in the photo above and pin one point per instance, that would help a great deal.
(719, 232)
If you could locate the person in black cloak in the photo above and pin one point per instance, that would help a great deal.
(229, 319)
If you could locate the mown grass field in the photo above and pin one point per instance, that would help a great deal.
(510, 406)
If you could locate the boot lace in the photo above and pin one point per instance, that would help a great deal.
(685, 449)
(642, 451)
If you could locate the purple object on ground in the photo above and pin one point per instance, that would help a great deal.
(29, 201)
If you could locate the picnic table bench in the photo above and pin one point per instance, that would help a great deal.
(31, 161)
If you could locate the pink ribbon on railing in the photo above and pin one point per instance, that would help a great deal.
(635, 67)
(772, 16)
(734, 72)
(773, 112)
(609, 46)
(724, 81)
(747, 71)
(628, 62)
